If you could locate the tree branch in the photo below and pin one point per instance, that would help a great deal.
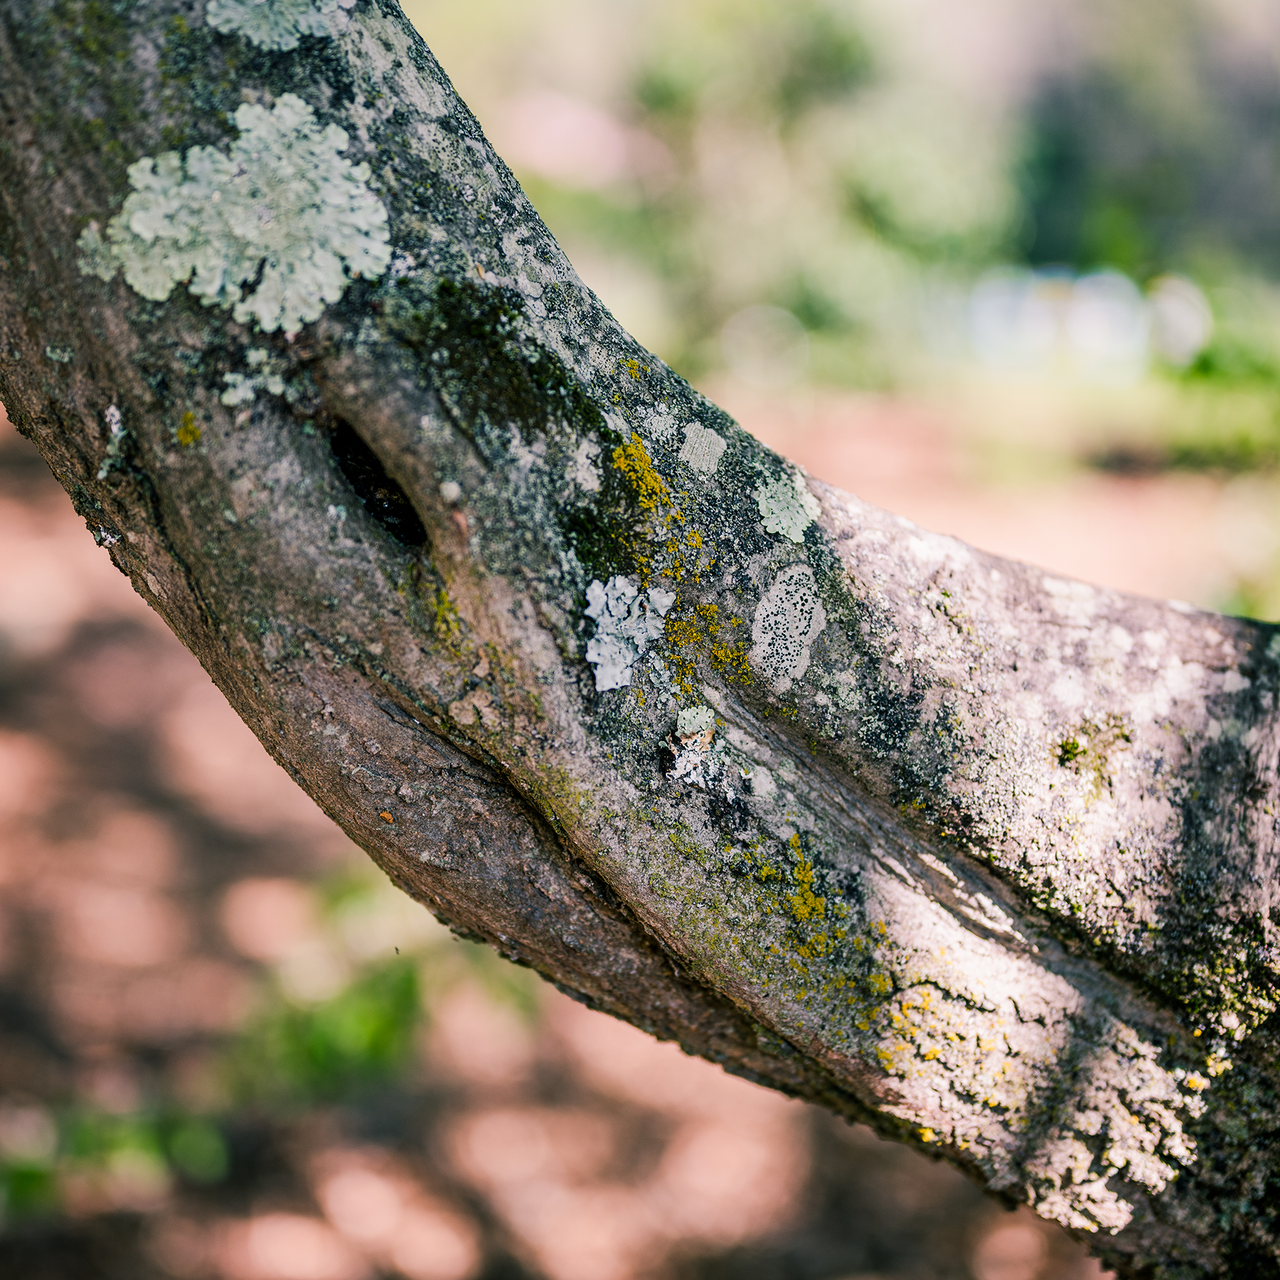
(980, 856)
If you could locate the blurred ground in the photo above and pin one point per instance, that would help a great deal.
(229, 1050)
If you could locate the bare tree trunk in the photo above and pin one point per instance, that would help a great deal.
(980, 856)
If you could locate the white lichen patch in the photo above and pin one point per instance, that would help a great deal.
(660, 426)
(278, 24)
(265, 375)
(274, 229)
(786, 506)
(691, 743)
(660, 677)
(583, 472)
(788, 619)
(702, 448)
(114, 455)
(627, 622)
(975, 1039)
(1123, 1120)
(1074, 602)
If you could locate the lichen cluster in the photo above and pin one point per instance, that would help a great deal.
(772, 738)
(273, 229)
(278, 24)
(786, 506)
(627, 622)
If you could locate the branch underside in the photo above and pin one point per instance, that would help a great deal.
(937, 840)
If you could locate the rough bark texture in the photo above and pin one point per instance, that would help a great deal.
(980, 856)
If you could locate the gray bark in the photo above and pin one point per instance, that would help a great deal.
(984, 858)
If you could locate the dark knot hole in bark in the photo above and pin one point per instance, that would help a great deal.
(382, 497)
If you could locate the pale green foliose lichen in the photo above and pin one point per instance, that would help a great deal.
(278, 24)
(695, 762)
(693, 722)
(787, 507)
(273, 229)
(627, 622)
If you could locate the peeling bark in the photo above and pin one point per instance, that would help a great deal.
(982, 857)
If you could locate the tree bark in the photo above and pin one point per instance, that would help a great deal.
(982, 857)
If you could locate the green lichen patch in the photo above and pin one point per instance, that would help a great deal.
(527, 414)
(607, 530)
(96, 32)
(88, 44)
(477, 350)
(1090, 748)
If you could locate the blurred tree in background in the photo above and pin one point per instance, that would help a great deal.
(835, 158)
(1069, 204)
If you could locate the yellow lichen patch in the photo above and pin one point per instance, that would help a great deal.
(634, 367)
(730, 660)
(654, 498)
(188, 433)
(634, 462)
(693, 629)
(804, 904)
(682, 627)
(449, 627)
(816, 946)
(684, 556)
(690, 630)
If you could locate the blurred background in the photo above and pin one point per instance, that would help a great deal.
(1007, 269)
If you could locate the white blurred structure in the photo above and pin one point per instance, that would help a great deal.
(1096, 327)
(1181, 321)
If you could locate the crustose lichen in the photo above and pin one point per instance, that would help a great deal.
(272, 230)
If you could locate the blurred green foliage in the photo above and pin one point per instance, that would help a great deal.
(28, 1189)
(129, 1157)
(322, 1052)
(198, 1149)
(295, 1051)
(1156, 150)
(844, 161)
(291, 1054)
